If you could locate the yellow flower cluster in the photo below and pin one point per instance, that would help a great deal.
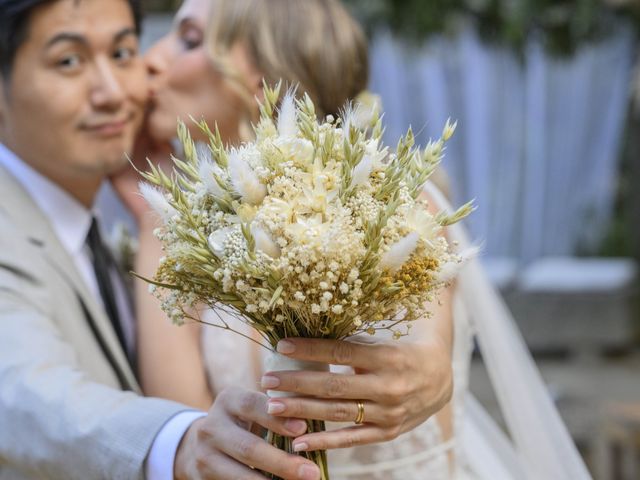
(314, 229)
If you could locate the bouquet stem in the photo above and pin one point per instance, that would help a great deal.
(276, 362)
(319, 457)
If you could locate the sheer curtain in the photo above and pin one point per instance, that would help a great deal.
(538, 137)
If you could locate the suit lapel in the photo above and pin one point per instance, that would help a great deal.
(24, 212)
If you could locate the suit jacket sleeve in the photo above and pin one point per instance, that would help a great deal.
(54, 421)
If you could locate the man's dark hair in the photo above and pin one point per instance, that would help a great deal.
(14, 25)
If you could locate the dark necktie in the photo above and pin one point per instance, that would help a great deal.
(103, 265)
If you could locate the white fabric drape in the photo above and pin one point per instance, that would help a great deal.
(538, 137)
(542, 445)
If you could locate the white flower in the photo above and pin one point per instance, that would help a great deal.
(362, 113)
(287, 118)
(400, 252)
(157, 201)
(245, 180)
(366, 112)
(264, 242)
(362, 171)
(218, 239)
(450, 270)
(203, 153)
(208, 171)
(353, 275)
(299, 150)
(348, 116)
(421, 221)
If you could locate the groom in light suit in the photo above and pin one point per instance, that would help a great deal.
(72, 95)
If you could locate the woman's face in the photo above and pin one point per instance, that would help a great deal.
(185, 83)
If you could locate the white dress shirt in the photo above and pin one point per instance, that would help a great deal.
(71, 221)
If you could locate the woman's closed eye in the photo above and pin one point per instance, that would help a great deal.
(191, 37)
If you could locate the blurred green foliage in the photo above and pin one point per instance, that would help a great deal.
(161, 5)
(563, 25)
(622, 238)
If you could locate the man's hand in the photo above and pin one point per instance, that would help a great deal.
(219, 446)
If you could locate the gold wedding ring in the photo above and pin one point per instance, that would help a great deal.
(360, 418)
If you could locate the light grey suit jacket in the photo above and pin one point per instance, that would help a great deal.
(64, 409)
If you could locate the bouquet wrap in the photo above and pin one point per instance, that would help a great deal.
(280, 363)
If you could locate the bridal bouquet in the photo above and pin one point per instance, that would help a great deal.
(314, 229)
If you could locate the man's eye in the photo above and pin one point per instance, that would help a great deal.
(69, 62)
(124, 54)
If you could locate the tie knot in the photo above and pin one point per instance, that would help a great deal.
(94, 239)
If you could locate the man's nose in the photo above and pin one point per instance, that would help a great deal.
(107, 91)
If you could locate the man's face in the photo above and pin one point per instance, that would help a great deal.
(77, 91)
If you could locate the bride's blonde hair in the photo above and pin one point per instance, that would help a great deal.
(315, 45)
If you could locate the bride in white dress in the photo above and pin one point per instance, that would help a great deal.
(539, 446)
(248, 42)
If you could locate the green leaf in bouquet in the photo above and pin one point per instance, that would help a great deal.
(464, 211)
(216, 145)
(308, 122)
(251, 241)
(188, 145)
(276, 296)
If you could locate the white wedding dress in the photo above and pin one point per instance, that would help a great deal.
(539, 447)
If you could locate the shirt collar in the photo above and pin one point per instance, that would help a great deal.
(68, 217)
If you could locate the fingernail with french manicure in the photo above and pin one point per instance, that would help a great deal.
(273, 408)
(285, 347)
(295, 426)
(309, 472)
(300, 447)
(270, 382)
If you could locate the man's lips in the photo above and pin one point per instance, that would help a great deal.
(110, 128)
